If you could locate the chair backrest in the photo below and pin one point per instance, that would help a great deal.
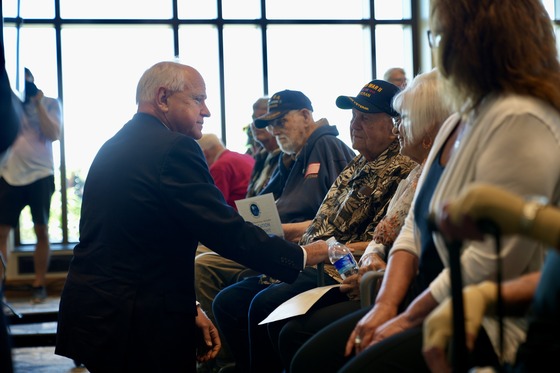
(369, 286)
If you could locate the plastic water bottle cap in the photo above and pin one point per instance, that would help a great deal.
(331, 240)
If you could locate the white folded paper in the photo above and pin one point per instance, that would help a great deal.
(298, 305)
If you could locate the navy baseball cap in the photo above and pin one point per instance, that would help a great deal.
(375, 97)
(282, 102)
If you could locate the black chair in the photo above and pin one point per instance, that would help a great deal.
(369, 286)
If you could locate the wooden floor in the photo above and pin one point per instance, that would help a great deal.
(42, 360)
(32, 328)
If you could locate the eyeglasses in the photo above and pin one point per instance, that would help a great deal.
(278, 123)
(433, 39)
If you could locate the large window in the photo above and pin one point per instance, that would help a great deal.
(91, 53)
(553, 8)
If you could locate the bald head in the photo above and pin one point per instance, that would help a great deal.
(211, 146)
(397, 76)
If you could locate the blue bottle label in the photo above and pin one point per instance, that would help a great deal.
(345, 265)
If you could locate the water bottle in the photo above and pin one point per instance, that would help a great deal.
(342, 259)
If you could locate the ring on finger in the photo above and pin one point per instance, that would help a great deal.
(358, 340)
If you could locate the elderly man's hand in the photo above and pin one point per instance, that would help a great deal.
(368, 262)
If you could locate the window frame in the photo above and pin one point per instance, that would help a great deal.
(369, 23)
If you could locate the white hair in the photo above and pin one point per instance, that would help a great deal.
(424, 102)
(209, 141)
(168, 74)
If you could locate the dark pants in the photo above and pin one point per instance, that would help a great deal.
(5, 341)
(291, 334)
(239, 308)
(324, 352)
(36, 195)
(401, 352)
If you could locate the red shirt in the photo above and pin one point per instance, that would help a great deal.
(231, 173)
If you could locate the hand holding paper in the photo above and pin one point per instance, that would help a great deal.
(261, 211)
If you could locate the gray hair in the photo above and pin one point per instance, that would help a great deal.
(170, 75)
(425, 104)
(388, 73)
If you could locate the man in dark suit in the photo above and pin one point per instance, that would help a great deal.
(9, 127)
(128, 304)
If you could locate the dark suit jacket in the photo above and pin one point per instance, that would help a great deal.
(129, 299)
(9, 124)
